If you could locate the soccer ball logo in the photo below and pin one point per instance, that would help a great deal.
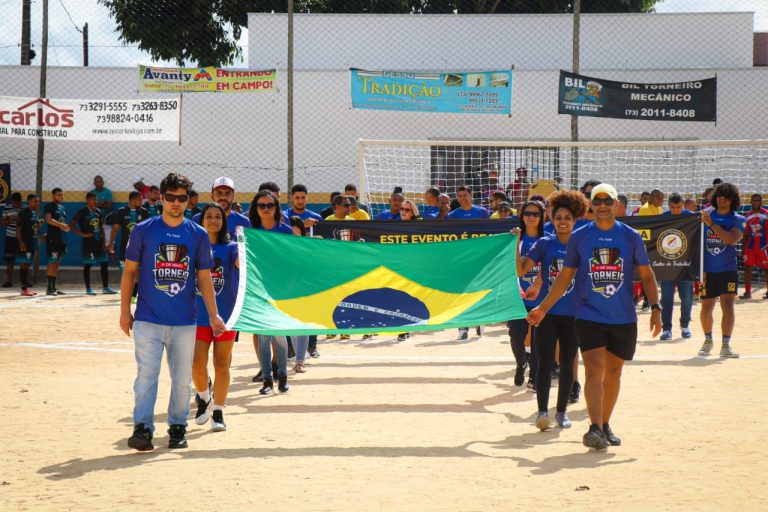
(609, 290)
(174, 288)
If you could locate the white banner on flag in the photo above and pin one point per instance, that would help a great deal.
(106, 120)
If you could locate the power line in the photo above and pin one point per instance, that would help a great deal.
(70, 16)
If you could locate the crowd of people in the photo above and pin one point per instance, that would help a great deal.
(180, 267)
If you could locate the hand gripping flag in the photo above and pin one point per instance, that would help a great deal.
(292, 285)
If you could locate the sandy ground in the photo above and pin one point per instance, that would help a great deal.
(426, 424)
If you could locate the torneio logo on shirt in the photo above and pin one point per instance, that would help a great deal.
(171, 268)
(606, 271)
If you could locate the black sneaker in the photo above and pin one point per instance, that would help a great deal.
(59, 292)
(615, 441)
(217, 421)
(595, 438)
(556, 372)
(531, 384)
(282, 383)
(50, 293)
(402, 337)
(202, 414)
(267, 388)
(645, 306)
(463, 333)
(520, 375)
(575, 393)
(177, 439)
(258, 377)
(314, 353)
(141, 440)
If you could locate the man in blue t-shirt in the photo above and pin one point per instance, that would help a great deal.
(603, 256)
(299, 208)
(169, 252)
(223, 192)
(395, 202)
(467, 210)
(432, 208)
(723, 229)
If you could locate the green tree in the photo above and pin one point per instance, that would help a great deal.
(205, 32)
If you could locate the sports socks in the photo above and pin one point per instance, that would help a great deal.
(205, 396)
(104, 274)
(51, 283)
(24, 273)
(726, 340)
(87, 275)
(708, 336)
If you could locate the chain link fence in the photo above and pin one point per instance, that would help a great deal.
(245, 135)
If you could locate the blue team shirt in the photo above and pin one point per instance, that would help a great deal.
(684, 212)
(308, 214)
(387, 215)
(226, 279)
(476, 212)
(234, 219)
(719, 256)
(431, 212)
(549, 254)
(526, 280)
(605, 262)
(281, 228)
(168, 258)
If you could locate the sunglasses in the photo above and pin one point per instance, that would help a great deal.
(172, 198)
(406, 209)
(265, 206)
(607, 201)
(346, 205)
(531, 214)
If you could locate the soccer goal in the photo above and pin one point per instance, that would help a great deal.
(522, 169)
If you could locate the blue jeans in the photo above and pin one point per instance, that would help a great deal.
(150, 340)
(265, 353)
(300, 344)
(685, 291)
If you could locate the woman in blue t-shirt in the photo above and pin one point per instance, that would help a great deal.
(532, 215)
(224, 275)
(548, 253)
(265, 214)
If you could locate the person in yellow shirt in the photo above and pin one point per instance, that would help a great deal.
(341, 205)
(497, 199)
(355, 211)
(654, 204)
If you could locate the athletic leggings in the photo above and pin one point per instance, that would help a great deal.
(551, 329)
(518, 329)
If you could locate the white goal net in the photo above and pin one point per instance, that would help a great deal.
(526, 168)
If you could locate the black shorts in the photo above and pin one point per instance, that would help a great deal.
(11, 247)
(619, 339)
(720, 283)
(55, 251)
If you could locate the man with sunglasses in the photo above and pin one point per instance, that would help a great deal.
(603, 256)
(341, 205)
(223, 192)
(170, 253)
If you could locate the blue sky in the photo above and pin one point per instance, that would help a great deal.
(68, 16)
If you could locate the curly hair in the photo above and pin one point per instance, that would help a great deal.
(728, 191)
(173, 181)
(572, 200)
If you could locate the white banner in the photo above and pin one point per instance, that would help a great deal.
(105, 120)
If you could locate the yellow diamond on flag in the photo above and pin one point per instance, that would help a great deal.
(379, 298)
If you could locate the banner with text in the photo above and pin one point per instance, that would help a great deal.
(683, 101)
(471, 92)
(208, 79)
(100, 120)
(673, 242)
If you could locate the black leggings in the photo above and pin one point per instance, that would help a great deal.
(551, 329)
(518, 330)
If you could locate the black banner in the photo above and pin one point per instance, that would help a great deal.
(672, 241)
(5, 183)
(682, 101)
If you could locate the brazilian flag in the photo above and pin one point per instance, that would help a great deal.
(293, 285)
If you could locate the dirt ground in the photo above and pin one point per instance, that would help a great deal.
(425, 424)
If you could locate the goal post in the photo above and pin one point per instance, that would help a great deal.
(522, 169)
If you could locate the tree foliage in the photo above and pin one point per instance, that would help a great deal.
(205, 32)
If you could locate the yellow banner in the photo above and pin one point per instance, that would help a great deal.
(207, 79)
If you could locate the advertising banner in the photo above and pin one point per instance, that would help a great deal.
(470, 92)
(208, 79)
(97, 120)
(5, 183)
(682, 101)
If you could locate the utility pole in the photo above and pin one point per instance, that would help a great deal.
(85, 45)
(289, 121)
(26, 58)
(40, 140)
(575, 119)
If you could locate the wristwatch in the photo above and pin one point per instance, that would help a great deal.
(655, 306)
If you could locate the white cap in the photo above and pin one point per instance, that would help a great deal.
(223, 182)
(607, 189)
(137, 179)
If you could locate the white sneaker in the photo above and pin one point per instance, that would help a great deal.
(706, 348)
(463, 334)
(217, 421)
(686, 332)
(725, 351)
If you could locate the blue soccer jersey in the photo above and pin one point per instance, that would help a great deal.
(169, 258)
(605, 262)
(234, 219)
(476, 212)
(526, 280)
(719, 256)
(306, 214)
(225, 278)
(431, 212)
(549, 254)
(387, 215)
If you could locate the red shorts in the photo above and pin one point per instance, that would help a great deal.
(205, 333)
(756, 258)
